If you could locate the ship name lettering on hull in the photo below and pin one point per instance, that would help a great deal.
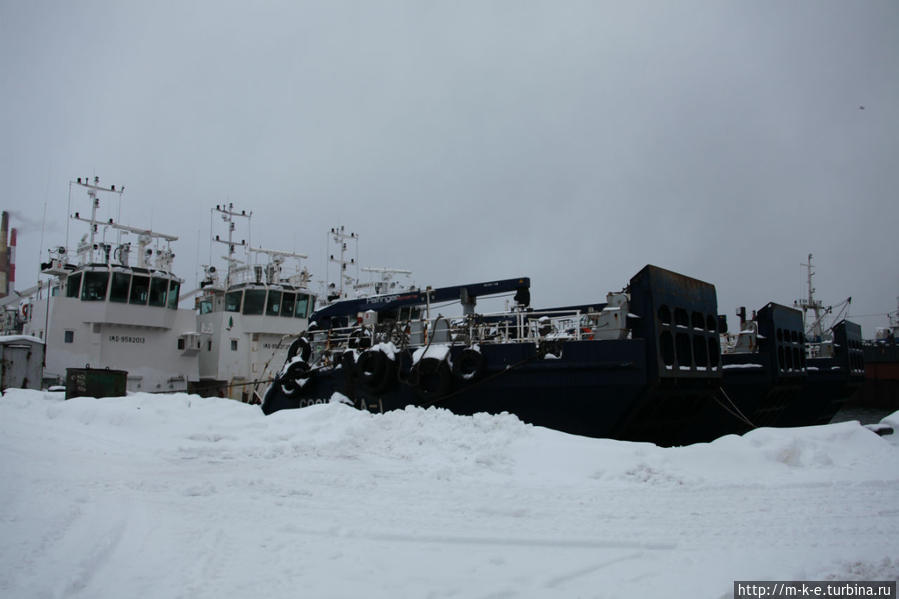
(126, 339)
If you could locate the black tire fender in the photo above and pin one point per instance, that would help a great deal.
(432, 378)
(295, 371)
(375, 370)
(300, 346)
(469, 365)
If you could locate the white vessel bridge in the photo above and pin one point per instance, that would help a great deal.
(249, 316)
(113, 303)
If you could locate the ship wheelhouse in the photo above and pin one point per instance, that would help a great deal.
(256, 299)
(113, 303)
(249, 311)
(124, 285)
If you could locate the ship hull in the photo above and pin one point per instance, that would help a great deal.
(644, 383)
(591, 389)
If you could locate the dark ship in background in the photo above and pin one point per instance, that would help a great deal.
(881, 388)
(785, 368)
(654, 362)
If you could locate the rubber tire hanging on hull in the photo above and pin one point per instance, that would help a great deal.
(432, 379)
(297, 370)
(375, 370)
(469, 365)
(300, 346)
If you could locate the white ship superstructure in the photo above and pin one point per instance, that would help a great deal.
(249, 317)
(99, 310)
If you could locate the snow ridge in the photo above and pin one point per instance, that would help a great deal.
(177, 495)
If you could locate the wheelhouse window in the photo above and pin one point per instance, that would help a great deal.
(172, 298)
(94, 288)
(158, 287)
(205, 306)
(73, 285)
(232, 301)
(304, 305)
(273, 307)
(118, 288)
(254, 301)
(288, 303)
(140, 290)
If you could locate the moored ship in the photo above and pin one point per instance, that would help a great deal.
(881, 386)
(834, 362)
(763, 368)
(248, 313)
(113, 304)
(639, 366)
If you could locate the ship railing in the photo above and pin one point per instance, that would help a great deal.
(488, 328)
(507, 327)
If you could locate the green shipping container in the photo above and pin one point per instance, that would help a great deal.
(95, 382)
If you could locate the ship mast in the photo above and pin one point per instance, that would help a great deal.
(228, 213)
(340, 237)
(89, 250)
(95, 202)
(815, 330)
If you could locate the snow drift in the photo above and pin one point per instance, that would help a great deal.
(181, 496)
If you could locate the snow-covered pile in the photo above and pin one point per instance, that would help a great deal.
(181, 496)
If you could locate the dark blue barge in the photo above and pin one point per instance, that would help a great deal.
(640, 366)
(652, 363)
(835, 371)
(763, 369)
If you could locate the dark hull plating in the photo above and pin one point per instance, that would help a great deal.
(881, 386)
(665, 383)
(758, 385)
(646, 387)
(592, 389)
(831, 381)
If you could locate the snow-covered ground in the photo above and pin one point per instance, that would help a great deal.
(179, 496)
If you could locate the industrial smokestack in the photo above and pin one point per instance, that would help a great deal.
(4, 255)
(11, 283)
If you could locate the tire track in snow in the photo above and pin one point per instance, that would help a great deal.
(32, 561)
(98, 555)
(499, 541)
(562, 579)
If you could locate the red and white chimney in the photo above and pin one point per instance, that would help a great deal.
(4, 255)
(11, 282)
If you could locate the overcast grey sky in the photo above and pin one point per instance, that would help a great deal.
(572, 142)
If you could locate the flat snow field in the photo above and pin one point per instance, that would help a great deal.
(180, 496)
